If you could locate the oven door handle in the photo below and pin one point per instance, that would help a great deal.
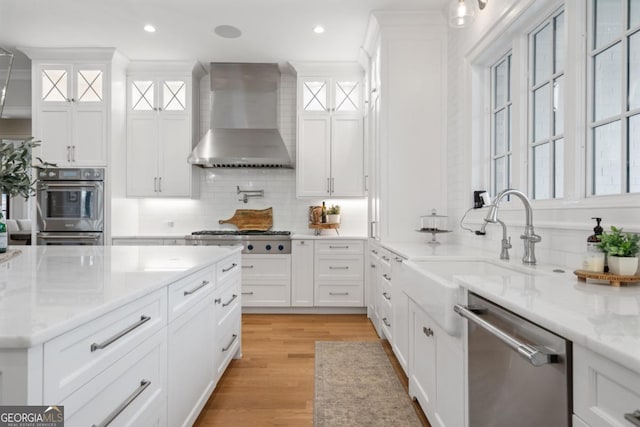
(533, 354)
(69, 185)
(68, 236)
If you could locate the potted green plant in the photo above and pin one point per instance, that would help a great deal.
(333, 214)
(622, 250)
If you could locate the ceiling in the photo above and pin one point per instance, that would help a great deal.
(272, 30)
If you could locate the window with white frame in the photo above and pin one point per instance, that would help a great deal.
(501, 155)
(546, 108)
(614, 107)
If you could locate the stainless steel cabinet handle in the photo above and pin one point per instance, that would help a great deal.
(338, 247)
(328, 185)
(112, 416)
(155, 184)
(194, 290)
(386, 276)
(366, 183)
(385, 258)
(333, 185)
(96, 346)
(373, 251)
(247, 266)
(230, 301)
(73, 152)
(234, 265)
(427, 331)
(233, 338)
(384, 320)
(247, 293)
(338, 293)
(331, 267)
(160, 184)
(68, 153)
(398, 259)
(373, 266)
(386, 296)
(633, 418)
(534, 355)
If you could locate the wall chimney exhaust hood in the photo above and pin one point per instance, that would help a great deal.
(244, 119)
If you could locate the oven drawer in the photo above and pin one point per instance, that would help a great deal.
(340, 295)
(74, 358)
(266, 295)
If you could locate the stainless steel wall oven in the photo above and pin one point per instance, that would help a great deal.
(70, 206)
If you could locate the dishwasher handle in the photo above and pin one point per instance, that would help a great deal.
(533, 354)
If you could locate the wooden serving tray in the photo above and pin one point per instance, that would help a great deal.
(324, 226)
(251, 219)
(613, 279)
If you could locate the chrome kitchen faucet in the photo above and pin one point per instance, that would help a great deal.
(529, 237)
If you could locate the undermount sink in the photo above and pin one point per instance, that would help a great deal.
(431, 284)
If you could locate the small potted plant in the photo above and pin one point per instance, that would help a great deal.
(622, 251)
(333, 214)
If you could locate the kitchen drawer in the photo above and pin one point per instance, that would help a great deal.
(227, 299)
(74, 358)
(185, 293)
(340, 295)
(603, 391)
(228, 267)
(340, 268)
(385, 313)
(228, 340)
(139, 375)
(332, 247)
(266, 268)
(266, 295)
(385, 261)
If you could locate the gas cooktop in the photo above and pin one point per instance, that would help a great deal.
(240, 233)
(253, 242)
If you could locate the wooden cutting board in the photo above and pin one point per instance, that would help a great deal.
(251, 219)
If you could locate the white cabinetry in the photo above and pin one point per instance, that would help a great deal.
(371, 287)
(339, 273)
(385, 295)
(75, 103)
(436, 370)
(400, 312)
(161, 128)
(302, 273)
(406, 121)
(330, 143)
(604, 393)
(228, 314)
(266, 280)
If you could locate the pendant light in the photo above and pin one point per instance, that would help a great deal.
(461, 13)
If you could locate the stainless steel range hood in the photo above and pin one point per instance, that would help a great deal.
(244, 119)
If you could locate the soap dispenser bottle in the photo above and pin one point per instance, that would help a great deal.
(594, 239)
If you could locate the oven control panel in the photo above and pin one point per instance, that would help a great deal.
(71, 174)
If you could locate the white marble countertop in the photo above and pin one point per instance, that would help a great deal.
(303, 236)
(48, 290)
(600, 317)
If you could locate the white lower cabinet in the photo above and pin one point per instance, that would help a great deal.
(228, 310)
(371, 286)
(400, 313)
(191, 338)
(339, 273)
(266, 280)
(604, 393)
(302, 273)
(436, 370)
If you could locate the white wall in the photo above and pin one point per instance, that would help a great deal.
(218, 198)
(564, 225)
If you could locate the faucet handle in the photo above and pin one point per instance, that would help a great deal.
(533, 238)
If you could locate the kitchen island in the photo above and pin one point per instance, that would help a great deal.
(91, 327)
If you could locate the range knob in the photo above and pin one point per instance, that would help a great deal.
(250, 247)
(280, 247)
(268, 247)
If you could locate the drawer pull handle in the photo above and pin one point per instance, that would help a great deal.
(112, 416)
(233, 338)
(386, 258)
(386, 296)
(194, 290)
(247, 293)
(331, 267)
(230, 301)
(247, 266)
(338, 293)
(427, 331)
(96, 346)
(384, 320)
(386, 276)
(234, 265)
(398, 259)
(633, 418)
(373, 266)
(373, 251)
(339, 247)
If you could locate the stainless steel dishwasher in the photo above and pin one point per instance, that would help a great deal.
(519, 373)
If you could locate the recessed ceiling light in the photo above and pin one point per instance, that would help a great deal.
(318, 29)
(227, 31)
(150, 28)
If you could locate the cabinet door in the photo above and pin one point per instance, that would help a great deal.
(142, 158)
(313, 169)
(347, 156)
(191, 362)
(89, 115)
(54, 130)
(347, 95)
(422, 372)
(315, 95)
(174, 177)
(302, 273)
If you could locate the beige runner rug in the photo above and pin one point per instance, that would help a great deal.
(355, 385)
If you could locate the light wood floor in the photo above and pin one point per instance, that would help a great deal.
(273, 383)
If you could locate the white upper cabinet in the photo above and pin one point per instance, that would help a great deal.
(72, 91)
(330, 145)
(161, 129)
